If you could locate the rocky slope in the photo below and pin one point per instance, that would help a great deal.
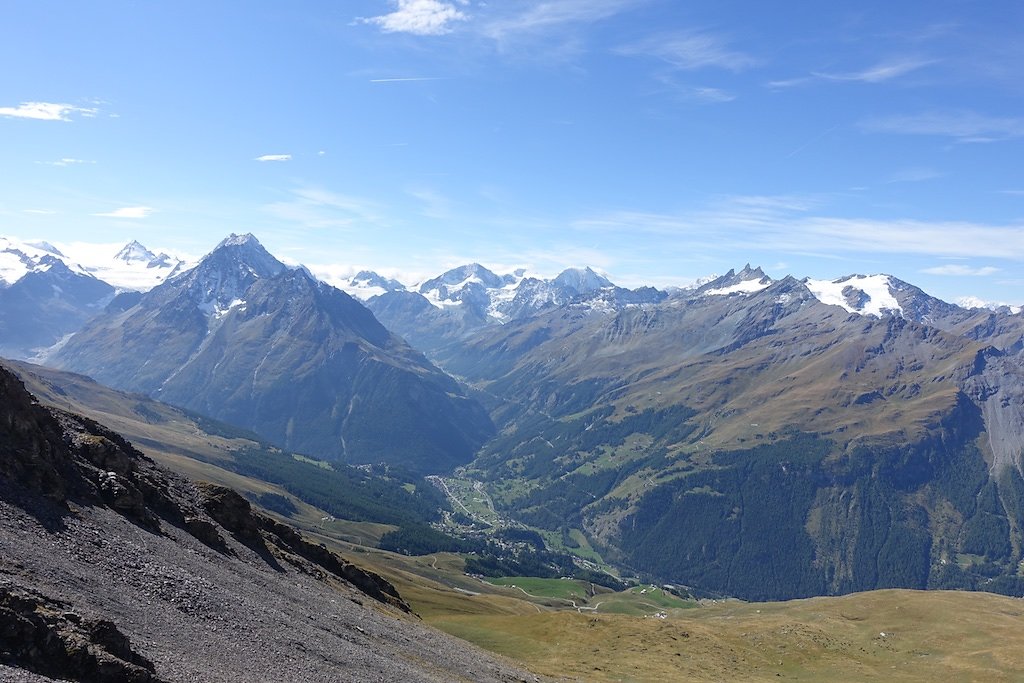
(112, 569)
(246, 340)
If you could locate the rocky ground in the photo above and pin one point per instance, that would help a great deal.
(113, 570)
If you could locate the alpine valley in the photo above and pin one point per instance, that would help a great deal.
(746, 437)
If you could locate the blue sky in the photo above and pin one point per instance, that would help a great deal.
(656, 140)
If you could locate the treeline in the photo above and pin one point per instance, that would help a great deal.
(514, 552)
(343, 491)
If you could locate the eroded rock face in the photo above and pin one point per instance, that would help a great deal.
(31, 451)
(44, 636)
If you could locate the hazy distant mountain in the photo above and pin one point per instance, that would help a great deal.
(45, 303)
(46, 294)
(244, 339)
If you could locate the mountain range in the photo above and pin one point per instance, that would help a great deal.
(244, 339)
(750, 436)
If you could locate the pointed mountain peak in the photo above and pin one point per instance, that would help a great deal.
(135, 251)
(247, 251)
(233, 240)
(749, 273)
(747, 281)
(457, 278)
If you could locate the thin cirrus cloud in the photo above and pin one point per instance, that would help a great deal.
(915, 174)
(879, 73)
(407, 79)
(543, 16)
(66, 161)
(128, 212)
(690, 51)
(46, 111)
(961, 270)
(964, 126)
(274, 157)
(788, 224)
(317, 208)
(419, 17)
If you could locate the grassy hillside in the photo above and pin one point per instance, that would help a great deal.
(892, 635)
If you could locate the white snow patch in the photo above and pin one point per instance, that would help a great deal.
(434, 297)
(500, 298)
(211, 309)
(879, 298)
(745, 287)
(358, 290)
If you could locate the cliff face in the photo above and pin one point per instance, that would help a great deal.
(112, 569)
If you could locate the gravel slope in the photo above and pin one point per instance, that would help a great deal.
(226, 608)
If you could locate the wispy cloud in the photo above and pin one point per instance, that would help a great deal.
(960, 270)
(435, 205)
(66, 161)
(39, 212)
(689, 51)
(705, 94)
(789, 224)
(541, 17)
(47, 111)
(915, 174)
(879, 73)
(695, 93)
(964, 126)
(419, 17)
(318, 208)
(274, 157)
(128, 212)
(411, 79)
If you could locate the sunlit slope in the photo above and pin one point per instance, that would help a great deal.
(891, 635)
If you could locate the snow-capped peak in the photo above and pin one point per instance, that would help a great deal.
(244, 251)
(581, 280)
(47, 247)
(975, 302)
(17, 259)
(234, 240)
(456, 279)
(134, 252)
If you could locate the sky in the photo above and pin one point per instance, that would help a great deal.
(655, 140)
